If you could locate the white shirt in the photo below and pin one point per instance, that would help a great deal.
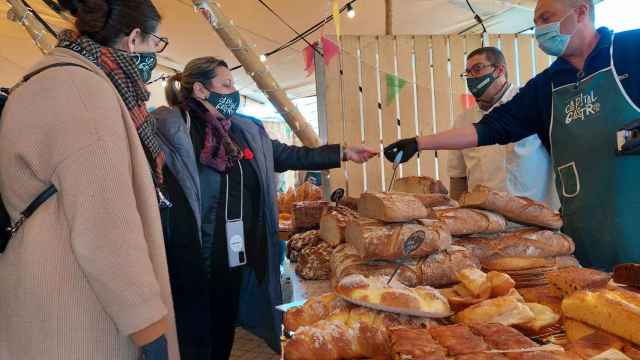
(522, 168)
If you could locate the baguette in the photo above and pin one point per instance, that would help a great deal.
(463, 221)
(520, 243)
(333, 223)
(614, 311)
(518, 209)
(392, 207)
(376, 240)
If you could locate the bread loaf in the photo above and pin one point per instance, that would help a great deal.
(306, 214)
(505, 310)
(419, 185)
(377, 240)
(333, 223)
(570, 280)
(314, 262)
(391, 207)
(313, 310)
(346, 261)
(300, 241)
(415, 344)
(433, 200)
(526, 263)
(627, 274)
(463, 221)
(375, 293)
(349, 202)
(545, 295)
(439, 269)
(501, 337)
(518, 209)
(519, 243)
(614, 311)
(594, 344)
(458, 339)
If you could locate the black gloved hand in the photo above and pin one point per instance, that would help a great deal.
(409, 147)
(156, 350)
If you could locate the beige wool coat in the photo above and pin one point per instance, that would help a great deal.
(89, 269)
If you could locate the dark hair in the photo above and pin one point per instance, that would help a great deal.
(200, 70)
(494, 55)
(107, 21)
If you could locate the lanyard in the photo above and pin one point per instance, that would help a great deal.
(226, 203)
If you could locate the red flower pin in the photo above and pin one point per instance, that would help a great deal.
(247, 154)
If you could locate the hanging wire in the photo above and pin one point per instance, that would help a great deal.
(478, 19)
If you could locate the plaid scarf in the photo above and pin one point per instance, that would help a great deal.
(122, 71)
(217, 148)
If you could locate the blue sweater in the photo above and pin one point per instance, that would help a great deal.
(529, 112)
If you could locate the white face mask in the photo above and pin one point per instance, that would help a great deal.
(551, 40)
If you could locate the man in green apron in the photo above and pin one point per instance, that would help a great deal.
(577, 107)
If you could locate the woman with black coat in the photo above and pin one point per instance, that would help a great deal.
(221, 167)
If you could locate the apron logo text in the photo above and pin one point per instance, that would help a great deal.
(581, 107)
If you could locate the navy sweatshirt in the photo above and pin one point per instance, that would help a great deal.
(529, 112)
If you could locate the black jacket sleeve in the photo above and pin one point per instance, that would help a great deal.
(286, 157)
(515, 119)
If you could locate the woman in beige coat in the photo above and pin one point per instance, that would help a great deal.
(86, 276)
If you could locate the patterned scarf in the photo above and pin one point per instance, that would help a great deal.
(121, 70)
(217, 149)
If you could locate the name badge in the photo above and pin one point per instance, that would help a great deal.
(235, 243)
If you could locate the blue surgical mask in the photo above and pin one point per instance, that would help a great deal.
(551, 40)
(226, 104)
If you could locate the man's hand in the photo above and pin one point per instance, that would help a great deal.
(409, 147)
(359, 154)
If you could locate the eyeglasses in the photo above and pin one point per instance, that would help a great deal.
(476, 70)
(162, 43)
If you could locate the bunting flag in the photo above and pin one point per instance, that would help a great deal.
(335, 10)
(394, 86)
(468, 101)
(309, 62)
(329, 49)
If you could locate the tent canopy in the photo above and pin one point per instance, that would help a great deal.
(191, 37)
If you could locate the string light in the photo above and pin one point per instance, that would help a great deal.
(263, 58)
(351, 12)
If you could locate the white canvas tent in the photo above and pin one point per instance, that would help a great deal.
(191, 36)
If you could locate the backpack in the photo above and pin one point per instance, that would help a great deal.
(7, 227)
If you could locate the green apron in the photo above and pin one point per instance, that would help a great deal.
(598, 188)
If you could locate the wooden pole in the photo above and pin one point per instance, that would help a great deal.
(388, 17)
(20, 14)
(232, 38)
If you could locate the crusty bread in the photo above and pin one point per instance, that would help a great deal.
(545, 295)
(463, 221)
(333, 222)
(375, 293)
(544, 318)
(419, 185)
(349, 202)
(458, 339)
(392, 207)
(416, 344)
(475, 281)
(627, 274)
(300, 241)
(313, 310)
(614, 311)
(439, 269)
(516, 263)
(306, 214)
(570, 280)
(528, 242)
(376, 240)
(506, 310)
(518, 209)
(576, 329)
(433, 200)
(501, 337)
(314, 262)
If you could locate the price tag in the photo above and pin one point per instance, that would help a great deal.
(414, 241)
(337, 195)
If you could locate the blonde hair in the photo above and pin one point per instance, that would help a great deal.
(180, 86)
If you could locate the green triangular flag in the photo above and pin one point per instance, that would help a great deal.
(394, 85)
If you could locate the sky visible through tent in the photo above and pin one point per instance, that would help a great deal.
(619, 15)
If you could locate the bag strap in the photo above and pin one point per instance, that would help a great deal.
(51, 190)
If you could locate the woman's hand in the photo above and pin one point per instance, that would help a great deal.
(358, 153)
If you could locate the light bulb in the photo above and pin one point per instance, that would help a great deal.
(263, 58)
(351, 12)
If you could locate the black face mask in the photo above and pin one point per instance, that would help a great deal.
(227, 104)
(145, 62)
(479, 85)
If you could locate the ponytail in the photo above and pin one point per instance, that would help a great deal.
(180, 86)
(172, 91)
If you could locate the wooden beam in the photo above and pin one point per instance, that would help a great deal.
(388, 17)
(232, 38)
(20, 14)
